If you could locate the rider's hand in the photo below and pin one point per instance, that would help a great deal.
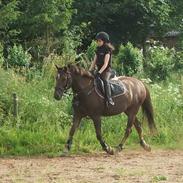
(92, 72)
(98, 75)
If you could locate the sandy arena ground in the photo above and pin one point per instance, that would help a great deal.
(128, 166)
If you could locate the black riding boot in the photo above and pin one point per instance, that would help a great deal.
(108, 93)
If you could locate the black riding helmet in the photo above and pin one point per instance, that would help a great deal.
(103, 36)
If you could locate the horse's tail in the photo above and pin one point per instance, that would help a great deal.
(147, 110)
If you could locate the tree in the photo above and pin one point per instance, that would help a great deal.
(8, 15)
(129, 20)
(44, 21)
(176, 15)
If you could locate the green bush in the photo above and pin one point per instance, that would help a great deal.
(129, 60)
(159, 62)
(36, 101)
(17, 57)
(178, 60)
(91, 51)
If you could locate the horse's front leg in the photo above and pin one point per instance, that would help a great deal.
(76, 121)
(97, 124)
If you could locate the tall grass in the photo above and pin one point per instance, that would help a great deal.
(42, 125)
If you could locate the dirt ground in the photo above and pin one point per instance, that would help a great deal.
(127, 166)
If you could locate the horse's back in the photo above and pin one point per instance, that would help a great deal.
(130, 81)
(134, 86)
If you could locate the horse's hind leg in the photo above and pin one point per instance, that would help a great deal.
(139, 130)
(131, 119)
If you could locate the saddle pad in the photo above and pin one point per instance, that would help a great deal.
(117, 87)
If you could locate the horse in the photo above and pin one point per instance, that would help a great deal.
(88, 103)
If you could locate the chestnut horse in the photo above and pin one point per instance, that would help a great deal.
(87, 102)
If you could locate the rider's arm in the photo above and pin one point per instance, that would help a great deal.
(106, 62)
(93, 63)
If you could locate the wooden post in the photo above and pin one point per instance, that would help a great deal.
(15, 105)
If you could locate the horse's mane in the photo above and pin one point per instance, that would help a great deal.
(80, 70)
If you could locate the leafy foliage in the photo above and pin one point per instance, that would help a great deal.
(43, 22)
(17, 57)
(178, 61)
(128, 20)
(9, 14)
(159, 62)
(91, 50)
(130, 59)
(176, 15)
(40, 25)
(72, 40)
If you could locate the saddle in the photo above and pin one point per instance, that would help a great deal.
(117, 87)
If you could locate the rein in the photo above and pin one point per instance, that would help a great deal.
(84, 89)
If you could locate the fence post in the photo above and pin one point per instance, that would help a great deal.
(15, 105)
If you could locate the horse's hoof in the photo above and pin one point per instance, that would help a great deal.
(147, 148)
(110, 151)
(64, 153)
(119, 149)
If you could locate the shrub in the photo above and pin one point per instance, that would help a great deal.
(159, 62)
(129, 59)
(91, 50)
(36, 105)
(178, 60)
(17, 57)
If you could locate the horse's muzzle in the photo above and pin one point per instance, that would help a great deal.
(58, 95)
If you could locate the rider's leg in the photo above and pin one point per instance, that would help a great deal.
(105, 77)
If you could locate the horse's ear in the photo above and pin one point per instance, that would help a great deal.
(57, 66)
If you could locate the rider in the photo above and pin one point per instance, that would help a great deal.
(102, 60)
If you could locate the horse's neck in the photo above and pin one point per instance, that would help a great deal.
(80, 83)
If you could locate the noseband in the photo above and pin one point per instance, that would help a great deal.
(67, 85)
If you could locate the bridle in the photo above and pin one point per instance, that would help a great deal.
(67, 85)
(86, 90)
(68, 82)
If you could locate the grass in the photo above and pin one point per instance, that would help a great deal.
(159, 178)
(43, 124)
